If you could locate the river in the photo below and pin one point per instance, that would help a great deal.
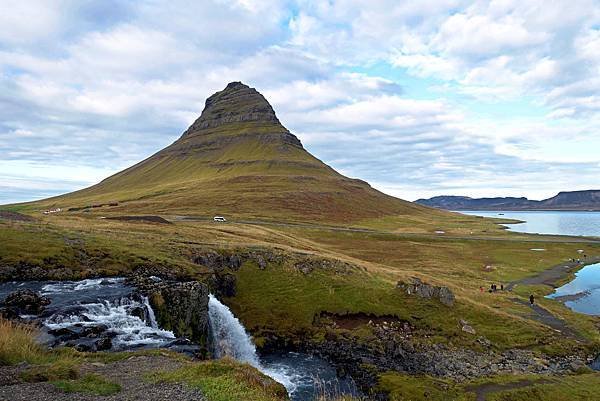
(84, 312)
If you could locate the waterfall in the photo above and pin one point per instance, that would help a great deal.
(229, 338)
(150, 313)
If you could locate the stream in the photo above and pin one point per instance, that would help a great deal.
(83, 313)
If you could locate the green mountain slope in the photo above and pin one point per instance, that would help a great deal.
(237, 159)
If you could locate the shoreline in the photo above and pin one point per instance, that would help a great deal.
(570, 297)
(555, 275)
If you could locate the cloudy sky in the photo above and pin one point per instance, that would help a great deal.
(419, 98)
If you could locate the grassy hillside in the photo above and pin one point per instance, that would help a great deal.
(284, 300)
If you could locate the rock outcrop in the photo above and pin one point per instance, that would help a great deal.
(398, 346)
(181, 307)
(236, 103)
(417, 287)
(24, 302)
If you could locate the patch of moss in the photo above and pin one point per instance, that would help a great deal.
(89, 384)
(402, 387)
(226, 380)
(58, 370)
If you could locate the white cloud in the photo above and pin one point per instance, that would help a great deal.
(101, 85)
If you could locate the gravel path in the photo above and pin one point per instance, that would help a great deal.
(554, 274)
(546, 317)
(550, 277)
(128, 373)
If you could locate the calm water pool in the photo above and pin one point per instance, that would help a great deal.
(586, 283)
(543, 222)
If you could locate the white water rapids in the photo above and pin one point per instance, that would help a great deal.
(130, 321)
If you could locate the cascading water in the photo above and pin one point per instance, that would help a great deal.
(117, 317)
(228, 335)
(151, 318)
(229, 338)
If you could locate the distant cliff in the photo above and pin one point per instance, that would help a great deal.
(573, 200)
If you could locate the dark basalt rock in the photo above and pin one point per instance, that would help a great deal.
(217, 262)
(94, 331)
(181, 307)
(222, 260)
(103, 344)
(139, 312)
(223, 285)
(26, 302)
(424, 290)
(82, 347)
(397, 346)
(236, 103)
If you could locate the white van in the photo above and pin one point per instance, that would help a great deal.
(219, 218)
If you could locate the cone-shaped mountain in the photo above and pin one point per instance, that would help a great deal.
(237, 159)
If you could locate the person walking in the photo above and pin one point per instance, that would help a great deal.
(531, 299)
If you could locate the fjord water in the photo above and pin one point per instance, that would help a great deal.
(586, 289)
(548, 222)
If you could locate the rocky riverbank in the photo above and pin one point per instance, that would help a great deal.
(393, 345)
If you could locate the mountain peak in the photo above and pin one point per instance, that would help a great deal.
(237, 159)
(237, 103)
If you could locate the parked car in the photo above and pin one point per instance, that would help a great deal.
(219, 219)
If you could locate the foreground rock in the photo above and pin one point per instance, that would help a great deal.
(23, 302)
(396, 346)
(181, 307)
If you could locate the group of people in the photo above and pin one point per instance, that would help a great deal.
(493, 288)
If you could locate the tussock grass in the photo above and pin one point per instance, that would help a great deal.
(90, 384)
(17, 344)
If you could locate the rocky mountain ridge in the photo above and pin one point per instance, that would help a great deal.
(566, 200)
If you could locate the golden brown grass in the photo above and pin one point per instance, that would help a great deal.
(17, 344)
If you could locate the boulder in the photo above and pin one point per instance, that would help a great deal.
(416, 286)
(26, 302)
(139, 312)
(103, 344)
(94, 331)
(218, 262)
(466, 327)
(261, 262)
